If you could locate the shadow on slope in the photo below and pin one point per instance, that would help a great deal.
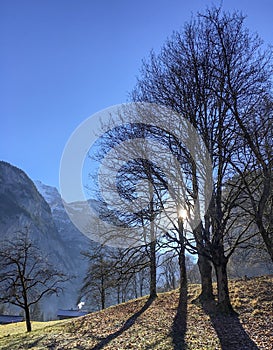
(128, 324)
(229, 330)
(179, 325)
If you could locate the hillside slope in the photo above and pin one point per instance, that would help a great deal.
(140, 324)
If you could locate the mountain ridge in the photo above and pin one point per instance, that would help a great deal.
(22, 206)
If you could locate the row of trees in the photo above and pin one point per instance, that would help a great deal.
(117, 275)
(213, 77)
(112, 277)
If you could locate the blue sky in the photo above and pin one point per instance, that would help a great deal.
(63, 60)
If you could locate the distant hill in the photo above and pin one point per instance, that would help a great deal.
(140, 324)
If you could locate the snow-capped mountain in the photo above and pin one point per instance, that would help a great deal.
(50, 228)
(74, 239)
(50, 194)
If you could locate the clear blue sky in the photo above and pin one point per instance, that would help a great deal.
(63, 60)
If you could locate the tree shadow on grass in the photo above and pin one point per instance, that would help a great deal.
(22, 343)
(229, 330)
(128, 324)
(179, 326)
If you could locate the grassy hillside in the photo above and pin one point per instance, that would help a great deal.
(140, 324)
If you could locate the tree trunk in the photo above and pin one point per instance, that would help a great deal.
(102, 295)
(103, 299)
(26, 308)
(181, 257)
(183, 271)
(266, 238)
(27, 315)
(118, 291)
(204, 266)
(173, 281)
(205, 269)
(153, 270)
(141, 287)
(223, 304)
(179, 326)
(135, 285)
(152, 244)
(123, 294)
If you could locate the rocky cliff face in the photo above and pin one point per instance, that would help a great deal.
(75, 241)
(23, 206)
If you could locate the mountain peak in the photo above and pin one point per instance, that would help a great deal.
(50, 193)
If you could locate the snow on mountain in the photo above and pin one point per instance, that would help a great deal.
(50, 194)
(49, 227)
(75, 240)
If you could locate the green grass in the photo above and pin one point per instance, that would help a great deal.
(14, 335)
(152, 329)
(20, 327)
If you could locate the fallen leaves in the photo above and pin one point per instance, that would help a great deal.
(139, 324)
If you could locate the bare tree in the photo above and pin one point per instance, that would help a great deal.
(255, 168)
(114, 270)
(245, 70)
(214, 74)
(99, 277)
(26, 275)
(169, 271)
(138, 218)
(129, 267)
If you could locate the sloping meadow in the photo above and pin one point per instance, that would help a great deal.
(149, 324)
